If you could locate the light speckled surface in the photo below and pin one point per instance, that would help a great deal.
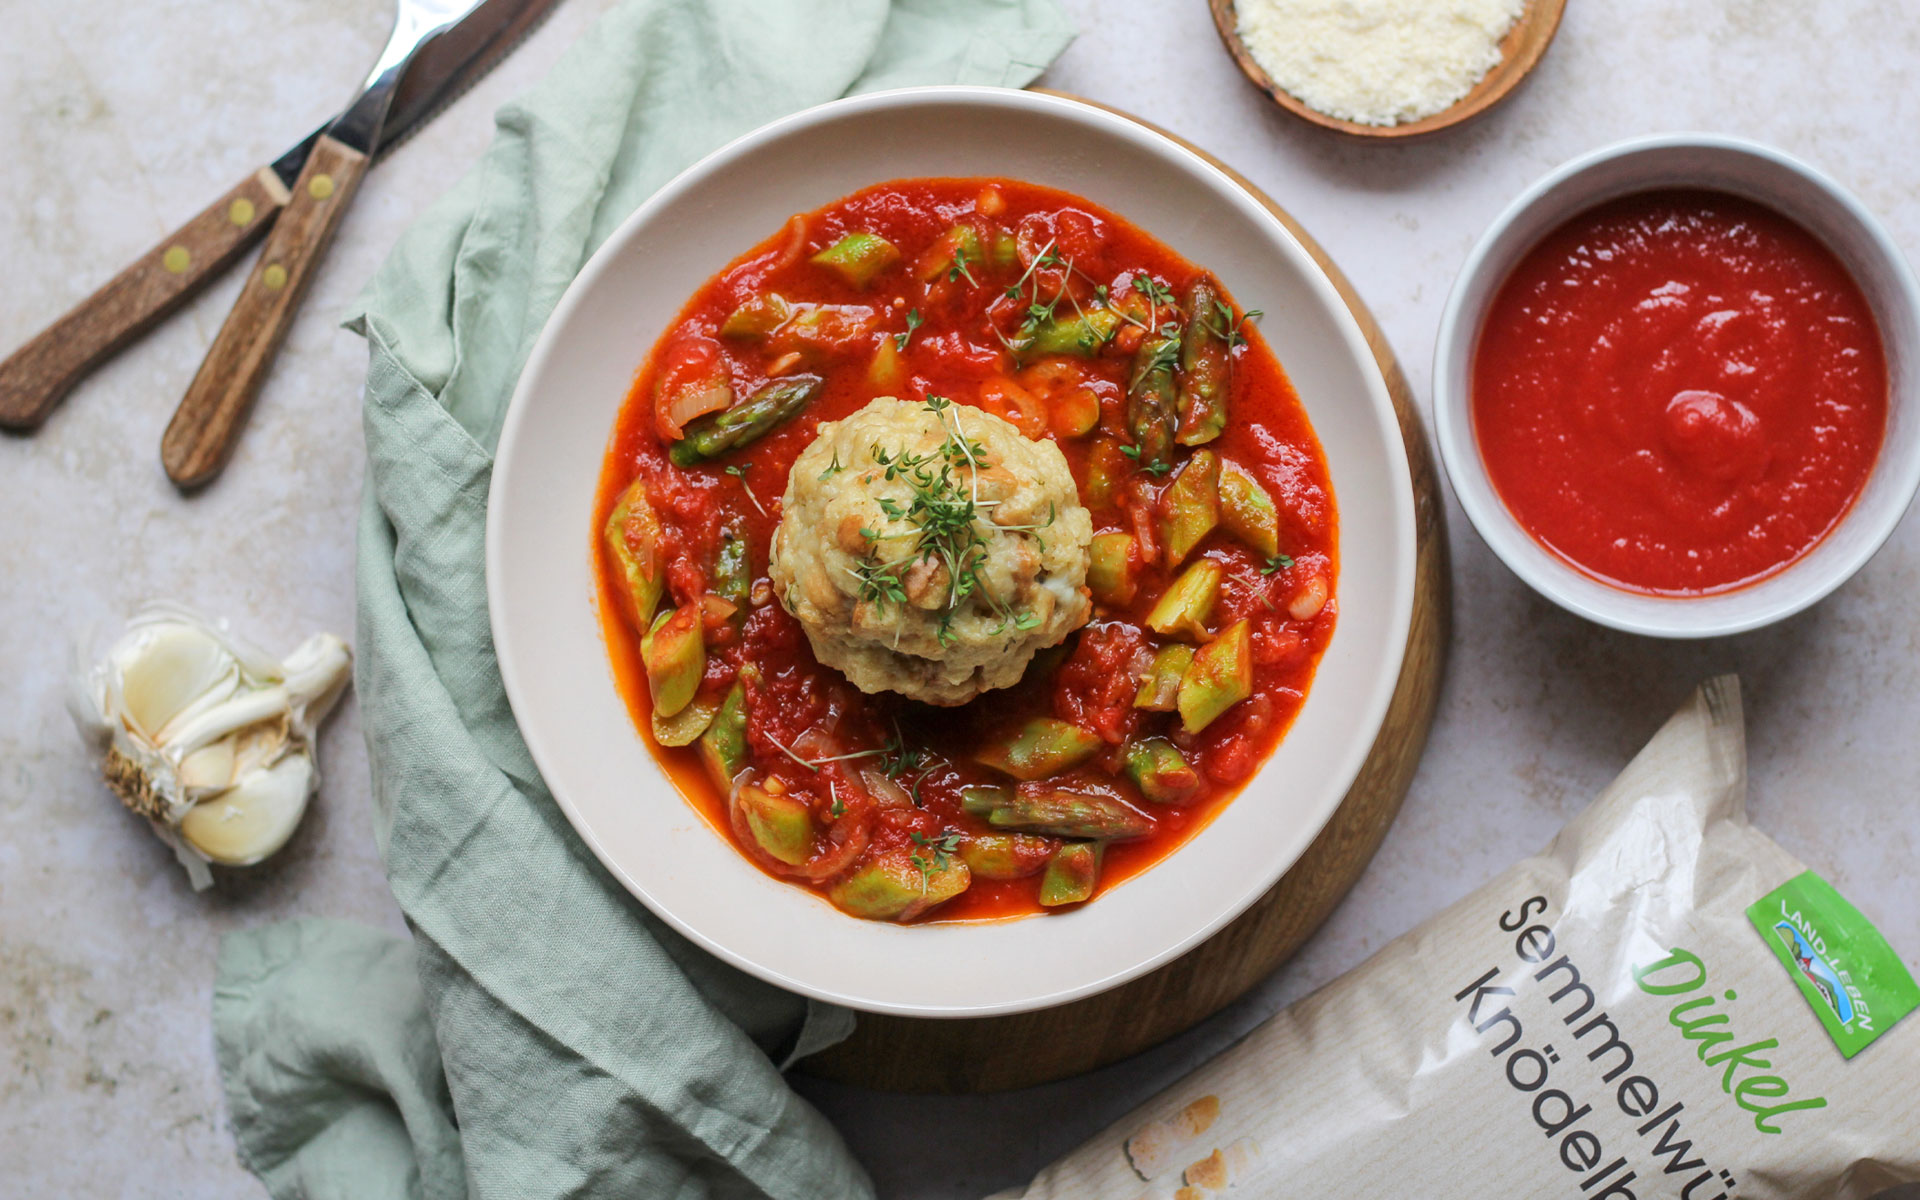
(118, 121)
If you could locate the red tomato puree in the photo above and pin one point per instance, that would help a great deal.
(1680, 392)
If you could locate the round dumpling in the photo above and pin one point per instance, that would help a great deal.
(931, 549)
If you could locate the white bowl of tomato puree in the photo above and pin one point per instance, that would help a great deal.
(1674, 386)
(545, 522)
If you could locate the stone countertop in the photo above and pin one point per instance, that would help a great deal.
(120, 120)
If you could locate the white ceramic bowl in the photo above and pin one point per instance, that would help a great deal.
(540, 547)
(1782, 183)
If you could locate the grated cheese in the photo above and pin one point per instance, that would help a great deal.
(1377, 62)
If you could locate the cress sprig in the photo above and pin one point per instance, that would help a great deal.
(944, 516)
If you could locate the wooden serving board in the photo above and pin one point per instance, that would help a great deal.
(998, 1053)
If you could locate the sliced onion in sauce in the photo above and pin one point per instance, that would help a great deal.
(885, 791)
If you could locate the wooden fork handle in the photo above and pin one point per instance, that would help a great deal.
(204, 427)
(39, 373)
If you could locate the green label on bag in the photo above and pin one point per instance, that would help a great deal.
(1853, 981)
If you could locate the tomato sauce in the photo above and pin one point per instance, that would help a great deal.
(956, 324)
(1679, 392)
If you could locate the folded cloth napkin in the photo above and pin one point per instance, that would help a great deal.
(542, 1035)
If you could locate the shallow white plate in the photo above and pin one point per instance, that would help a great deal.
(540, 553)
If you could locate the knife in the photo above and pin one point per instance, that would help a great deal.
(38, 375)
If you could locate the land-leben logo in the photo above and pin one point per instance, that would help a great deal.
(1830, 979)
(1855, 986)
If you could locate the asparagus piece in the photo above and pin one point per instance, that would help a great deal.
(1107, 468)
(757, 318)
(1161, 684)
(1004, 855)
(1072, 874)
(633, 537)
(732, 574)
(1161, 772)
(1203, 365)
(1080, 333)
(1006, 250)
(888, 370)
(957, 247)
(981, 799)
(1112, 574)
(1042, 747)
(675, 655)
(1076, 414)
(779, 823)
(1151, 399)
(1184, 607)
(717, 433)
(1221, 676)
(685, 726)
(1247, 510)
(890, 887)
(826, 329)
(858, 257)
(723, 747)
(1191, 506)
(1060, 812)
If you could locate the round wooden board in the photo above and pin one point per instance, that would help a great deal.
(998, 1053)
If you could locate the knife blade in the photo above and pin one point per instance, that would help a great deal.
(41, 372)
(440, 74)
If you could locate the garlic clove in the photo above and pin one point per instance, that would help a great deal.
(210, 723)
(316, 675)
(210, 768)
(255, 817)
(166, 669)
(260, 745)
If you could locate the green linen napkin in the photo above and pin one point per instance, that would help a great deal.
(542, 1034)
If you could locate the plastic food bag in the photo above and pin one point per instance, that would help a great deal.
(1663, 1004)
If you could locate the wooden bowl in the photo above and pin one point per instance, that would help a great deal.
(1520, 51)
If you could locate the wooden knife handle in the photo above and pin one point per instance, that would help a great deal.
(38, 374)
(209, 418)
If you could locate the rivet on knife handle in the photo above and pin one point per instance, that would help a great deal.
(38, 374)
(209, 419)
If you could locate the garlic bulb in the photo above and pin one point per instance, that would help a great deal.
(208, 737)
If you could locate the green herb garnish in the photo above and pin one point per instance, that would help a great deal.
(942, 849)
(1155, 469)
(1225, 327)
(739, 471)
(913, 322)
(944, 514)
(959, 268)
(1157, 293)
